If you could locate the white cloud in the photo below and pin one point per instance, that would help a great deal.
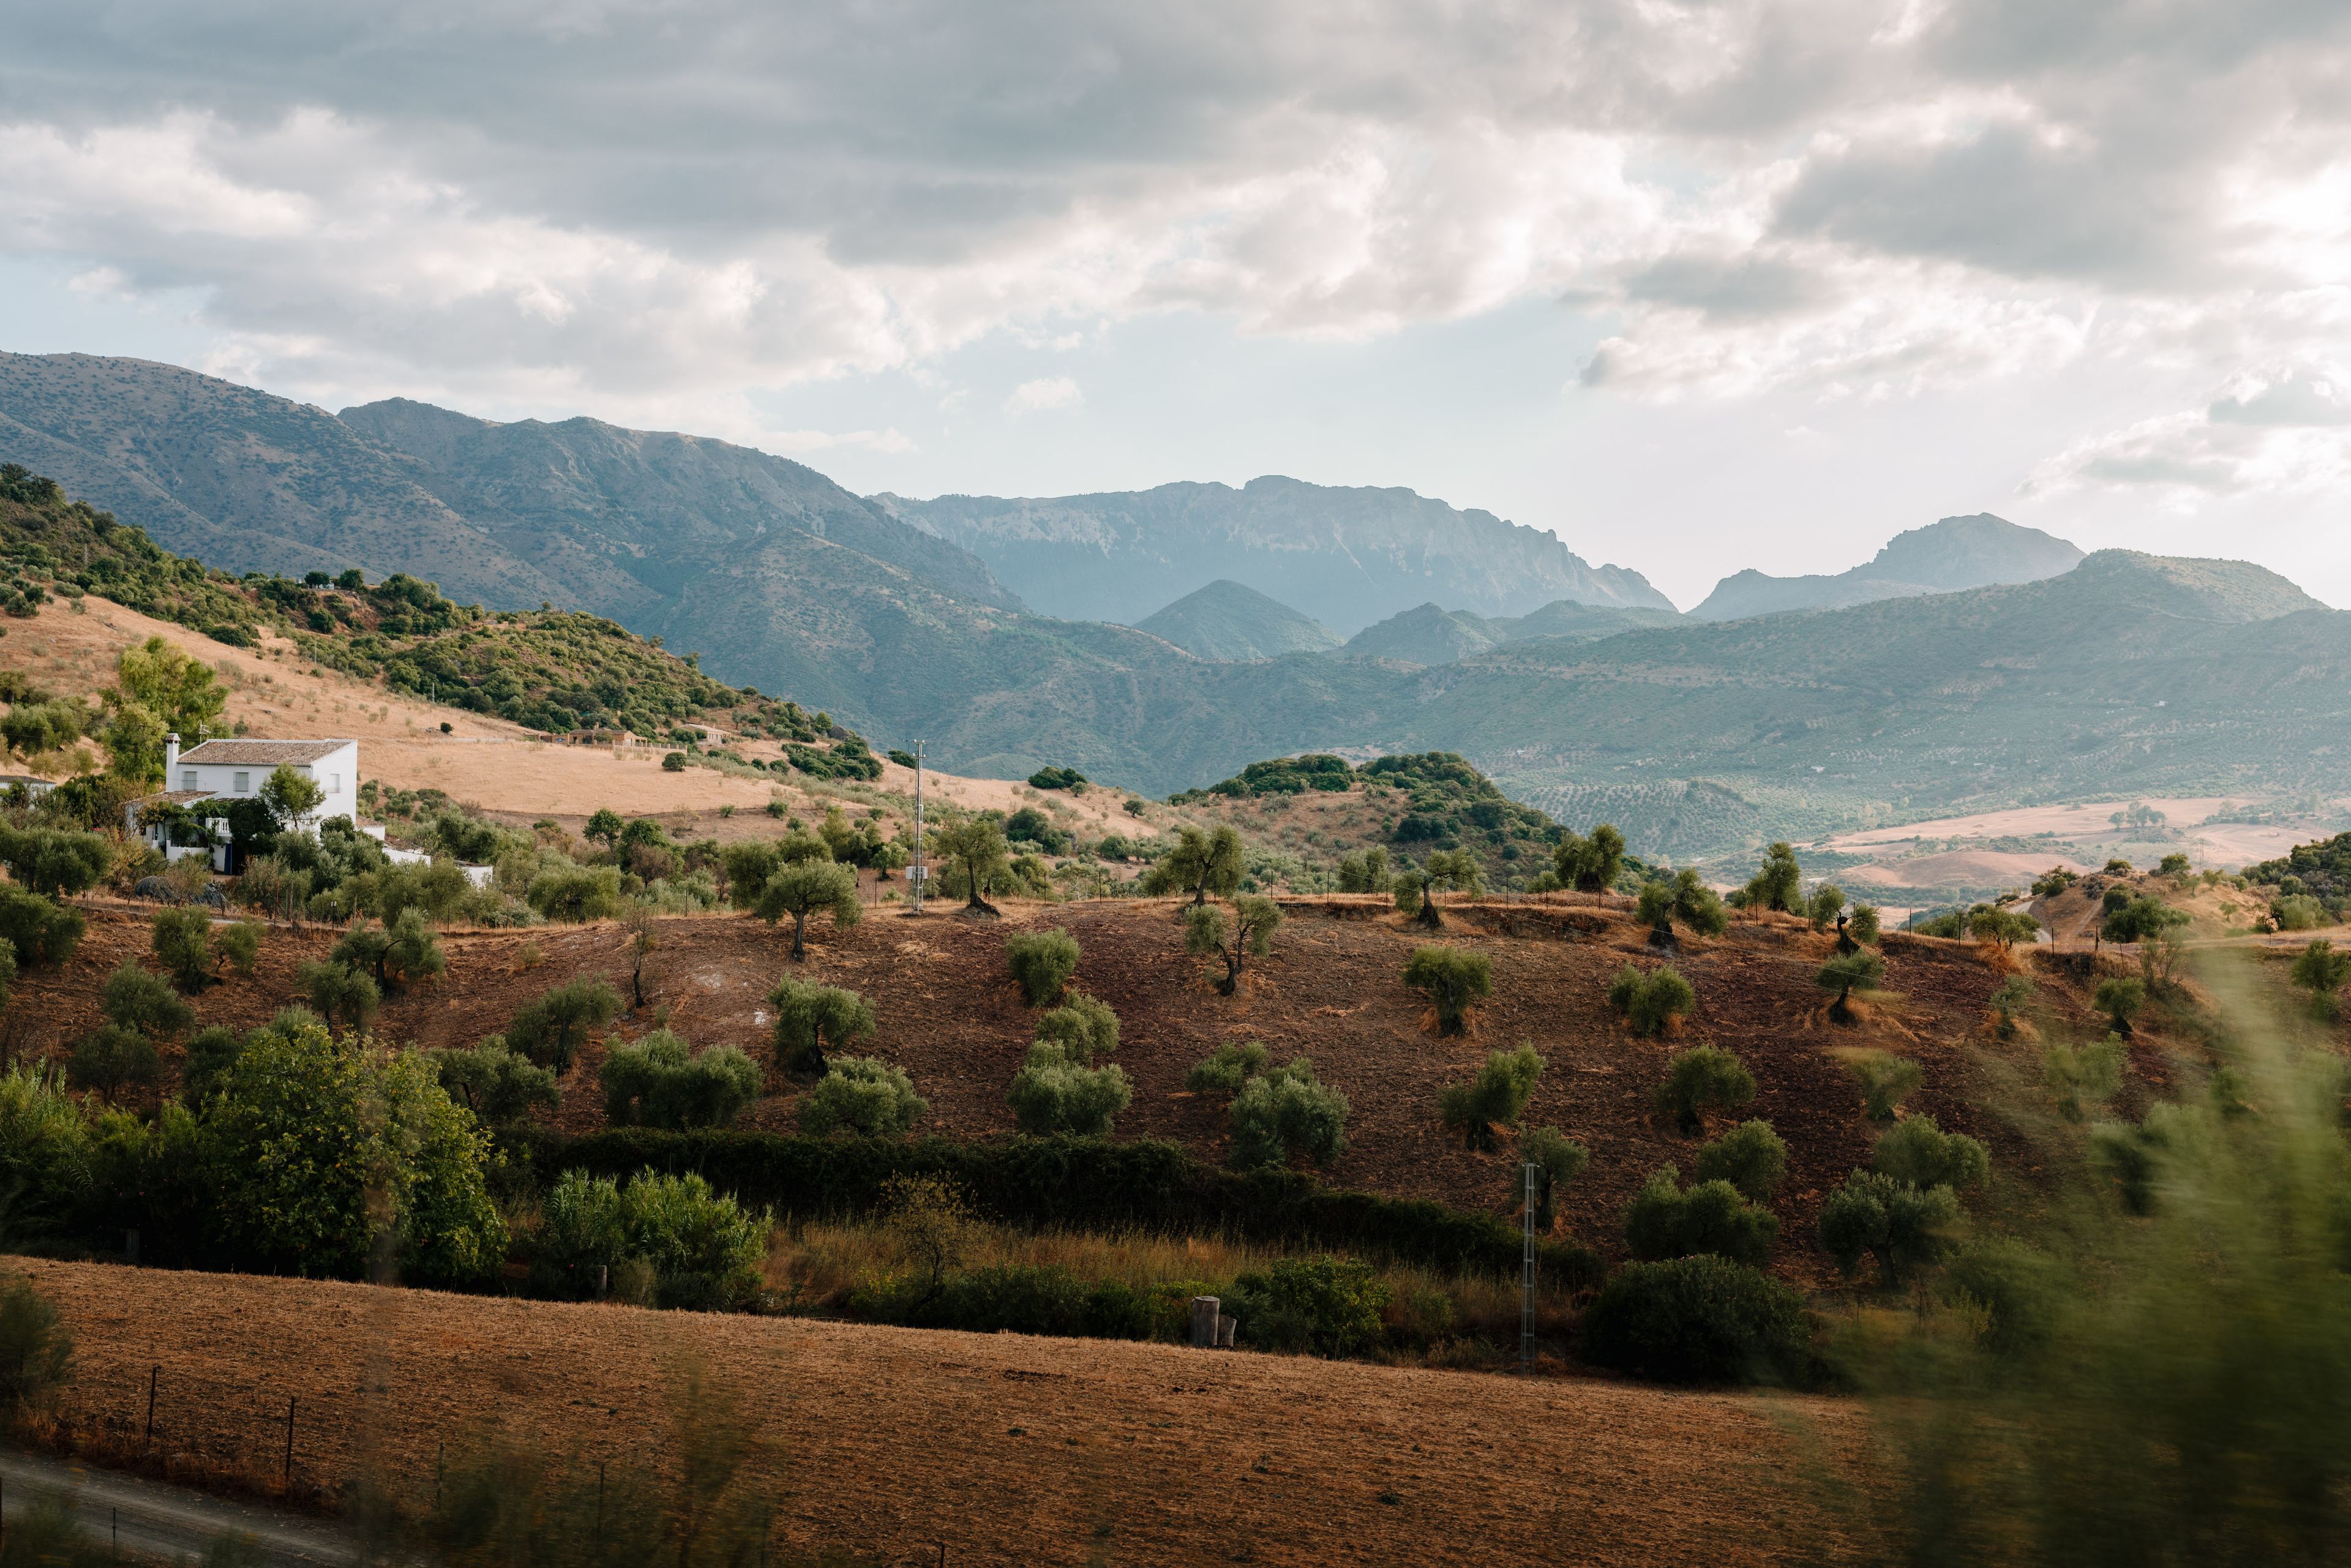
(1047, 393)
(890, 440)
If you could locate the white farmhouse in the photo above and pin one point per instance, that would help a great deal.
(226, 769)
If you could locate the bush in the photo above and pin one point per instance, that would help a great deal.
(811, 1019)
(338, 993)
(1051, 1093)
(53, 861)
(1904, 1228)
(861, 1094)
(42, 932)
(2321, 970)
(1864, 926)
(1682, 897)
(2298, 911)
(411, 950)
(704, 1251)
(1664, 1221)
(1886, 1081)
(1041, 964)
(182, 940)
(1917, 1152)
(211, 1053)
(2080, 1077)
(1452, 978)
(1704, 1077)
(1328, 1305)
(1228, 1067)
(1495, 1098)
(2009, 998)
(1843, 976)
(1701, 1319)
(1649, 1002)
(1084, 1027)
(2120, 996)
(36, 1350)
(498, 1085)
(239, 943)
(1558, 1160)
(1825, 904)
(140, 1001)
(1750, 1157)
(550, 1030)
(575, 895)
(657, 1082)
(111, 1059)
(1288, 1114)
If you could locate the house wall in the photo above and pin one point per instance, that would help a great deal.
(337, 774)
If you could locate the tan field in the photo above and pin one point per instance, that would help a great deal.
(2228, 845)
(994, 1448)
(485, 761)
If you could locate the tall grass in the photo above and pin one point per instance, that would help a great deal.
(2166, 1379)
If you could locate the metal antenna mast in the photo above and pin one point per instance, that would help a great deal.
(918, 873)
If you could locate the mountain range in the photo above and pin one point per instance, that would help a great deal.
(2128, 673)
(1345, 556)
(1942, 558)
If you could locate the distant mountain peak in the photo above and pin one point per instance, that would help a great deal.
(1231, 623)
(1945, 557)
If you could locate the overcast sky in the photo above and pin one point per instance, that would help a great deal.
(1695, 286)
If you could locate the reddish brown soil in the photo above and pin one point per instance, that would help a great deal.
(1007, 1449)
(1331, 990)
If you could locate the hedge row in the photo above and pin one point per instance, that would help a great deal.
(1088, 1183)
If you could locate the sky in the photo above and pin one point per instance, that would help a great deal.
(1696, 285)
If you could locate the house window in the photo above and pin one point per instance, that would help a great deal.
(188, 779)
(243, 785)
(334, 783)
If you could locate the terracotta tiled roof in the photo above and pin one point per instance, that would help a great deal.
(259, 753)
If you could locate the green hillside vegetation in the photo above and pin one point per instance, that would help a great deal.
(1431, 635)
(1228, 622)
(551, 670)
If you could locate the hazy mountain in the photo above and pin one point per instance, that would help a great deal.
(249, 482)
(1941, 558)
(1429, 636)
(1229, 624)
(1343, 557)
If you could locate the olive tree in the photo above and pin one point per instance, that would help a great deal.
(1452, 978)
(806, 888)
(1200, 864)
(1778, 884)
(810, 1018)
(1845, 974)
(973, 849)
(1249, 933)
(1494, 1098)
(1589, 865)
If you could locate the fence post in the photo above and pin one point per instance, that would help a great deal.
(289, 1479)
(152, 1374)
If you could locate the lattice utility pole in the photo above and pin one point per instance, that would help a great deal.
(918, 873)
(1527, 1281)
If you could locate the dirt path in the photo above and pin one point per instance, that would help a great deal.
(152, 1521)
(1007, 1449)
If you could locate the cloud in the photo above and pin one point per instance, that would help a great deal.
(890, 440)
(1054, 391)
(2278, 430)
(663, 206)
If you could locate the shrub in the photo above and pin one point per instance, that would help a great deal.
(111, 1059)
(1666, 1221)
(1406, 884)
(1682, 897)
(2321, 970)
(2009, 998)
(704, 1251)
(1917, 1152)
(1495, 1098)
(1843, 976)
(498, 1085)
(550, 1030)
(1228, 1067)
(338, 993)
(657, 1082)
(2081, 1077)
(54, 862)
(1750, 1157)
(1651, 1002)
(1904, 1228)
(1701, 1319)
(861, 1094)
(1452, 978)
(811, 1019)
(1703, 1078)
(1886, 1081)
(2120, 996)
(210, 1053)
(1825, 904)
(2298, 911)
(2013, 1287)
(36, 1350)
(40, 931)
(1288, 1114)
(182, 940)
(1041, 964)
(1082, 1026)
(1051, 1093)
(138, 1000)
(1558, 1160)
(2004, 928)
(239, 943)
(1328, 1305)
(1864, 926)
(574, 894)
(411, 950)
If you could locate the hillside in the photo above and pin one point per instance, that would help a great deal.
(1345, 556)
(1227, 623)
(1032, 1450)
(1430, 635)
(1941, 558)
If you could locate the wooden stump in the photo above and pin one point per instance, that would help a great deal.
(1205, 1315)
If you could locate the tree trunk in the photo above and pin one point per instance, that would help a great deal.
(800, 933)
(1232, 980)
(1429, 918)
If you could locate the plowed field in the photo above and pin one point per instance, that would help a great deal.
(1331, 990)
(1004, 1448)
